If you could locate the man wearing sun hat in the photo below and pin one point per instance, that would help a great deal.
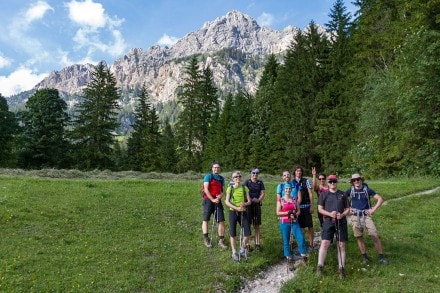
(361, 211)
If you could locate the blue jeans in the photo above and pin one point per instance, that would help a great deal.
(286, 229)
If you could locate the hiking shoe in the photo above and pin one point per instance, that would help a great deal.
(365, 260)
(297, 256)
(235, 256)
(383, 261)
(248, 247)
(290, 264)
(222, 244)
(341, 273)
(257, 247)
(208, 242)
(319, 272)
(244, 252)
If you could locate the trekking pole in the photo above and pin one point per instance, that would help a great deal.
(214, 222)
(241, 235)
(338, 236)
(290, 245)
(242, 232)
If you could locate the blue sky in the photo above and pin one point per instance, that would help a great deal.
(40, 36)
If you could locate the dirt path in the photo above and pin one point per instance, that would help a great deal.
(271, 280)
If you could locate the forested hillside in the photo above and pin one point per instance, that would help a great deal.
(365, 99)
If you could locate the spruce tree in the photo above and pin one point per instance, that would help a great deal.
(199, 102)
(8, 130)
(262, 115)
(44, 131)
(96, 122)
(144, 143)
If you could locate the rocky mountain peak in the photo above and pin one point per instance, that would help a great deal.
(160, 69)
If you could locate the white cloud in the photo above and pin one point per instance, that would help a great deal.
(87, 13)
(22, 79)
(167, 40)
(4, 62)
(37, 11)
(265, 19)
(92, 19)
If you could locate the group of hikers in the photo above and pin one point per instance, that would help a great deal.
(294, 208)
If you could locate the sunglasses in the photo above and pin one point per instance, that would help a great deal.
(239, 176)
(321, 178)
(356, 179)
(255, 173)
(333, 181)
(286, 175)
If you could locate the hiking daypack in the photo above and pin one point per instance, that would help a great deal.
(364, 188)
(212, 181)
(231, 185)
(304, 190)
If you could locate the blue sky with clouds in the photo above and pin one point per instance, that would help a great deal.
(39, 36)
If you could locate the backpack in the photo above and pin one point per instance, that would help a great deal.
(211, 178)
(304, 190)
(364, 188)
(231, 185)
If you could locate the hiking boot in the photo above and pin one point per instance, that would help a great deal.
(290, 264)
(222, 244)
(341, 273)
(244, 253)
(208, 242)
(297, 256)
(235, 256)
(248, 247)
(365, 260)
(383, 261)
(319, 272)
(257, 247)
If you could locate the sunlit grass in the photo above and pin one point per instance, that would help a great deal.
(144, 235)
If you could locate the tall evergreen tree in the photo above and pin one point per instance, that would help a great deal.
(144, 142)
(199, 101)
(168, 147)
(333, 108)
(44, 131)
(299, 81)
(240, 128)
(8, 129)
(262, 115)
(95, 125)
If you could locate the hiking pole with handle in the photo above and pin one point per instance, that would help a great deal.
(215, 223)
(241, 235)
(338, 240)
(291, 215)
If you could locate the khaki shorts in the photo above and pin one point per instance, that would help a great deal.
(360, 226)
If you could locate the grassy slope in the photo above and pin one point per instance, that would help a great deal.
(145, 235)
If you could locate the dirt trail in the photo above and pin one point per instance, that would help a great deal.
(271, 280)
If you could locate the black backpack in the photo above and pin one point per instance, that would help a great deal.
(304, 191)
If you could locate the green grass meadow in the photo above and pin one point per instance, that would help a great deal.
(144, 235)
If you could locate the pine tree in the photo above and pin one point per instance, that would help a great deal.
(262, 115)
(96, 123)
(199, 101)
(8, 130)
(144, 143)
(44, 131)
(168, 147)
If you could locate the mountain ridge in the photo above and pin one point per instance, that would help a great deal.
(161, 70)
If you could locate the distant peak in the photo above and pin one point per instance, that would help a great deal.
(233, 16)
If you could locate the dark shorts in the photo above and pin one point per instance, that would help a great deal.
(254, 214)
(330, 229)
(305, 218)
(210, 208)
(236, 217)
